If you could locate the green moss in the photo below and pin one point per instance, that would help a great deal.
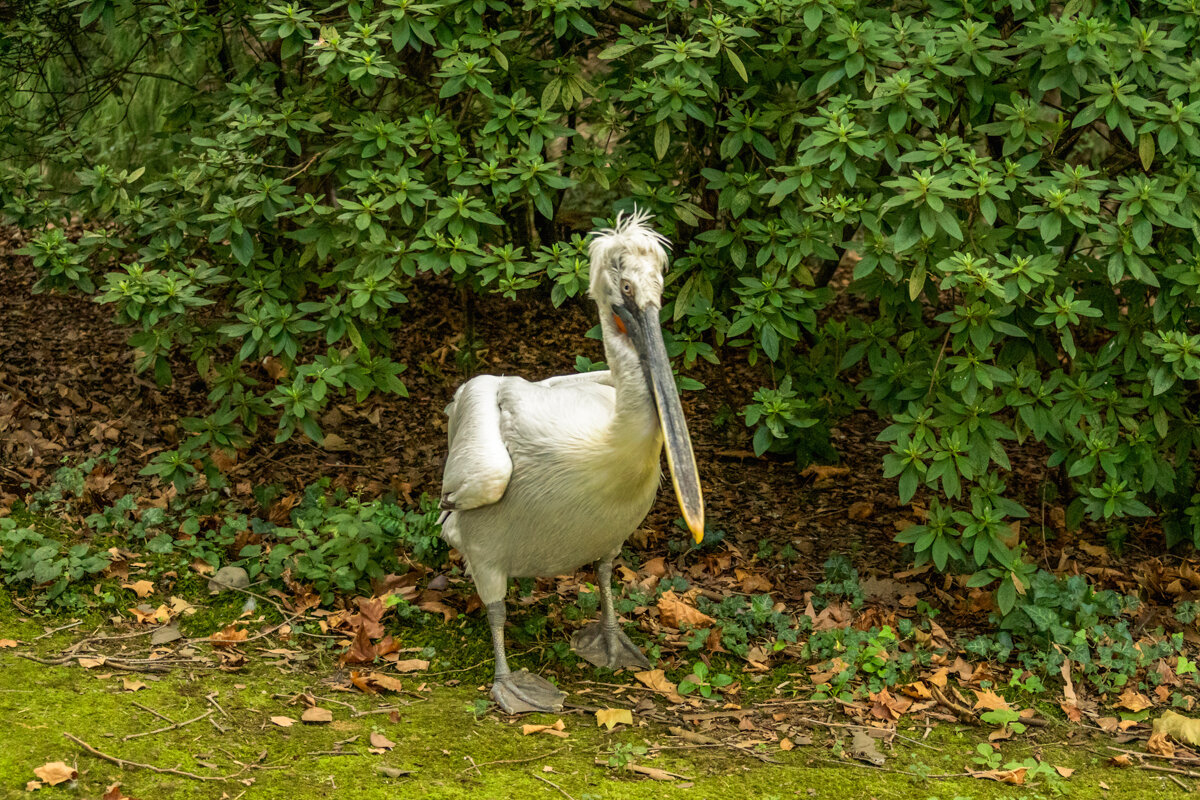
(437, 740)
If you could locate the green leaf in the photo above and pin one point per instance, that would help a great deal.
(1146, 150)
(662, 139)
(737, 65)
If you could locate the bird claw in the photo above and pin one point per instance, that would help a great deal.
(523, 692)
(607, 648)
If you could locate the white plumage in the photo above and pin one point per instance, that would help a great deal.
(545, 477)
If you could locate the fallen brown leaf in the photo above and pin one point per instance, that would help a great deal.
(674, 613)
(316, 715)
(656, 679)
(1133, 700)
(283, 722)
(381, 741)
(142, 588)
(8, 643)
(55, 772)
(412, 665)
(990, 701)
(1016, 777)
(611, 717)
(1178, 727)
(557, 729)
(229, 636)
(132, 685)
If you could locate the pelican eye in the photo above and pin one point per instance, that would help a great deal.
(627, 288)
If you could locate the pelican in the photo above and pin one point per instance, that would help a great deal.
(542, 478)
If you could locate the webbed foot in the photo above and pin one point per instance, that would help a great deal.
(523, 692)
(607, 647)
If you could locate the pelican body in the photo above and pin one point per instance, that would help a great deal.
(543, 478)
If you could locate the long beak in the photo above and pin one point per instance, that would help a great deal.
(646, 334)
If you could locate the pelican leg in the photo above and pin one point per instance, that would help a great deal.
(603, 643)
(518, 692)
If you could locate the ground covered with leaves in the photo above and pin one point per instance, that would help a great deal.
(795, 653)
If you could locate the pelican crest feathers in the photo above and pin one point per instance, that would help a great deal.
(631, 235)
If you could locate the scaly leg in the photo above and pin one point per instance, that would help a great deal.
(603, 643)
(518, 692)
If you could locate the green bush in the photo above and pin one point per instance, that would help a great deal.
(1010, 187)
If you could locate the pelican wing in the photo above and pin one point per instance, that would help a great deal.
(601, 378)
(478, 466)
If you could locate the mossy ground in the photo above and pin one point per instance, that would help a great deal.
(437, 739)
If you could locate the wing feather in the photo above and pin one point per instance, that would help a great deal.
(478, 465)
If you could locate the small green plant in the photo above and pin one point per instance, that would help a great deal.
(841, 582)
(623, 754)
(986, 756)
(702, 680)
(478, 707)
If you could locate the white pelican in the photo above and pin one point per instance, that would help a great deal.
(545, 477)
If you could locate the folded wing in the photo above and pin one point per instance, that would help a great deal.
(478, 466)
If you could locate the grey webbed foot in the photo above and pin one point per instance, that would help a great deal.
(607, 647)
(523, 692)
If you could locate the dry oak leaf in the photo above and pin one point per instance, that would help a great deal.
(283, 722)
(229, 636)
(55, 772)
(32, 786)
(825, 476)
(144, 613)
(990, 701)
(1121, 760)
(674, 613)
(656, 679)
(114, 792)
(316, 715)
(861, 511)
(1178, 727)
(381, 741)
(557, 729)
(142, 588)
(379, 680)
(786, 744)
(611, 717)
(1065, 772)
(92, 663)
(412, 665)
(8, 643)
(1016, 777)
(1160, 745)
(1133, 700)
(132, 685)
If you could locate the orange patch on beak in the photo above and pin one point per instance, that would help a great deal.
(620, 324)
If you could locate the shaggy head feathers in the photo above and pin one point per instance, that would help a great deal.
(632, 251)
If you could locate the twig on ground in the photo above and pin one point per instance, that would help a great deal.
(1144, 754)
(136, 665)
(701, 740)
(650, 772)
(212, 698)
(476, 767)
(152, 711)
(454, 671)
(53, 631)
(121, 762)
(95, 638)
(1191, 773)
(171, 727)
(1179, 783)
(561, 790)
(893, 732)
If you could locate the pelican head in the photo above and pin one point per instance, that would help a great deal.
(626, 281)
